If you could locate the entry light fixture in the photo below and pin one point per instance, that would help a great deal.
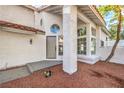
(31, 41)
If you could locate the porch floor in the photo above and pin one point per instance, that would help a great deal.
(98, 75)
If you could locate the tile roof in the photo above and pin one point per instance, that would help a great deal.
(19, 26)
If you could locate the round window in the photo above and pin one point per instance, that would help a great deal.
(55, 28)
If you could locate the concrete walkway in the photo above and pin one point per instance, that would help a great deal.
(9, 75)
(35, 66)
(29, 68)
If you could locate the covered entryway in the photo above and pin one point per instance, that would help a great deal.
(84, 39)
(51, 47)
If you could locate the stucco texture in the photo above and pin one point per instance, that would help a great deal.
(16, 50)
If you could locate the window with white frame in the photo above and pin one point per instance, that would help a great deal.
(81, 41)
(102, 43)
(82, 31)
(93, 31)
(93, 46)
(82, 46)
(106, 38)
(93, 41)
(60, 45)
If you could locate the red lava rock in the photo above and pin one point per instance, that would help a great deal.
(89, 76)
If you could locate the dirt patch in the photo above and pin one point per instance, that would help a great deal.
(106, 75)
(96, 74)
(117, 79)
(99, 75)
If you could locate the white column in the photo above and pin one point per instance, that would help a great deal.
(70, 39)
(89, 34)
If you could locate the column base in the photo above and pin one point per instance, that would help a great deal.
(70, 72)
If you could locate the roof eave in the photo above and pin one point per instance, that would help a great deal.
(105, 30)
(42, 8)
(96, 12)
(31, 7)
(21, 27)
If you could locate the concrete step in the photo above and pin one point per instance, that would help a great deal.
(16, 73)
(13, 74)
(35, 66)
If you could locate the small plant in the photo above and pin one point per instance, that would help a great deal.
(47, 73)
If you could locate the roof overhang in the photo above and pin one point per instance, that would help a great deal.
(5, 24)
(43, 8)
(51, 8)
(89, 11)
(92, 13)
(30, 7)
(105, 30)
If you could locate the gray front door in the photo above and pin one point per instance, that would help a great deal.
(51, 47)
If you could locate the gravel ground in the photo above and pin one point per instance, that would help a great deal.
(99, 75)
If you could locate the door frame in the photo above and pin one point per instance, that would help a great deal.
(55, 47)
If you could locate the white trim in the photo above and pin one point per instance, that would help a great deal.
(88, 59)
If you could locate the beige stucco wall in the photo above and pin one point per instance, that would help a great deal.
(17, 14)
(15, 49)
(49, 19)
